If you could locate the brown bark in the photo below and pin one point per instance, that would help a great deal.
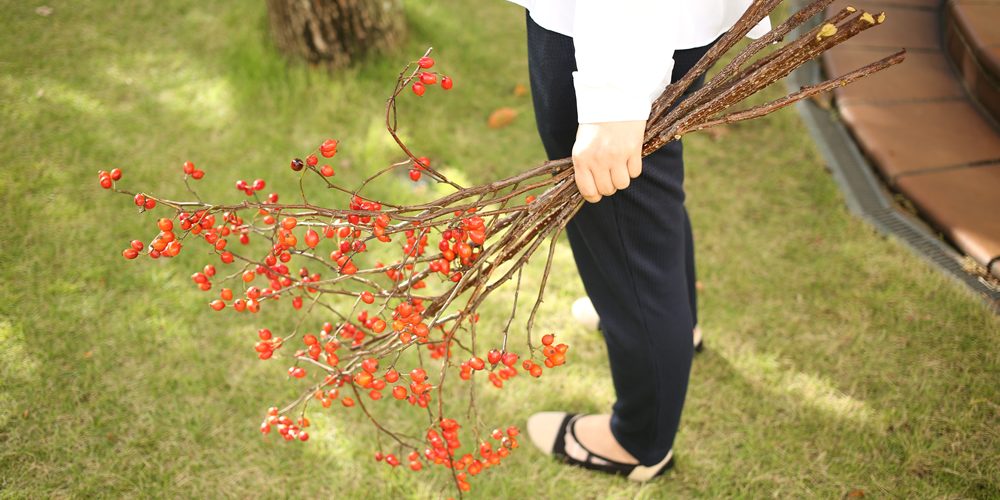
(335, 33)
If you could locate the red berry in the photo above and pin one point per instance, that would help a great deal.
(328, 148)
(414, 175)
(425, 62)
(428, 78)
(493, 356)
(399, 392)
(197, 174)
(218, 305)
(297, 164)
(477, 363)
(449, 424)
(418, 88)
(509, 358)
(548, 339)
(367, 297)
(130, 253)
(105, 182)
(258, 184)
(446, 82)
(150, 204)
(327, 171)
(188, 168)
(312, 238)
(116, 174)
(311, 160)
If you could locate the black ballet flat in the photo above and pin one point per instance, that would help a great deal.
(550, 430)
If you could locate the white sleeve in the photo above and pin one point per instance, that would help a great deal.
(624, 57)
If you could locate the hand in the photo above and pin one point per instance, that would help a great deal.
(607, 156)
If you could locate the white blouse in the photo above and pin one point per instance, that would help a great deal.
(625, 48)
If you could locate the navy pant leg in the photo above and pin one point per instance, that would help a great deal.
(634, 253)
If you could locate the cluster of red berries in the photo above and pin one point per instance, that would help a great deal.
(106, 178)
(268, 344)
(427, 78)
(165, 244)
(249, 188)
(442, 448)
(417, 393)
(463, 243)
(144, 202)
(421, 164)
(287, 429)
(202, 277)
(555, 355)
(189, 169)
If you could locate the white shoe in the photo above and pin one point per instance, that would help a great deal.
(585, 314)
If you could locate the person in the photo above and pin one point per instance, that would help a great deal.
(595, 69)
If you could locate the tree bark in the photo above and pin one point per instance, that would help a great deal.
(335, 33)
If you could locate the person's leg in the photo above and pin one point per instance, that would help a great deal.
(630, 249)
(637, 238)
(689, 267)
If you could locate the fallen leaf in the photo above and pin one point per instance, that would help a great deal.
(501, 117)
(88, 354)
(855, 494)
(717, 132)
(520, 90)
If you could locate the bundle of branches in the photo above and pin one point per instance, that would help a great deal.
(450, 254)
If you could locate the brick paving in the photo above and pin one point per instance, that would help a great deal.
(930, 125)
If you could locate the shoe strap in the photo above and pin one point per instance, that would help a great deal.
(591, 454)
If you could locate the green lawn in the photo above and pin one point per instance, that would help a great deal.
(836, 361)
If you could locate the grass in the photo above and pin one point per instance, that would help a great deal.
(837, 362)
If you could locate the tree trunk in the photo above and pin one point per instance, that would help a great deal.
(335, 33)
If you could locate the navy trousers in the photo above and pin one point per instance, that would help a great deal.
(635, 255)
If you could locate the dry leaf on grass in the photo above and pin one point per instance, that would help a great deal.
(717, 133)
(501, 117)
(520, 90)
